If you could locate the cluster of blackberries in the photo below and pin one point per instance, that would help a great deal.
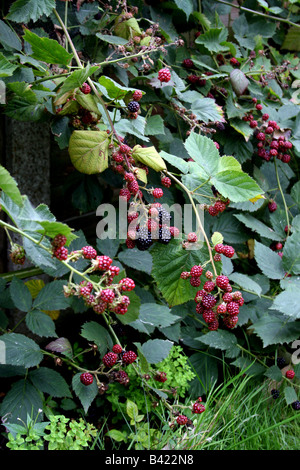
(156, 227)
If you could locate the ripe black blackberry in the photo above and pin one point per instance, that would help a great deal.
(281, 362)
(144, 239)
(133, 106)
(275, 393)
(296, 405)
(164, 235)
(164, 215)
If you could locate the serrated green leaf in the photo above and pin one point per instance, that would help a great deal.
(97, 334)
(6, 67)
(51, 297)
(268, 261)
(274, 330)
(139, 260)
(86, 394)
(223, 340)
(246, 282)
(274, 373)
(288, 303)
(47, 50)
(9, 186)
(290, 395)
(50, 381)
(149, 156)
(258, 226)
(21, 351)
(156, 350)
(76, 79)
(213, 39)
(51, 229)
(116, 40)
(157, 315)
(22, 399)
(89, 151)
(204, 152)
(291, 254)
(177, 162)
(22, 11)
(206, 110)
(40, 324)
(20, 294)
(236, 185)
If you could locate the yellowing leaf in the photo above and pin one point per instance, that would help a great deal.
(256, 198)
(35, 286)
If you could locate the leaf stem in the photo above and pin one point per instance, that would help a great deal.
(197, 217)
(259, 13)
(283, 198)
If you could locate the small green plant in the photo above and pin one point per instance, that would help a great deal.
(61, 433)
(66, 434)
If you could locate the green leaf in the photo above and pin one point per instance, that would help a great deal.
(9, 38)
(50, 381)
(268, 261)
(213, 40)
(242, 127)
(204, 152)
(47, 50)
(229, 163)
(248, 366)
(22, 400)
(136, 259)
(276, 330)
(89, 151)
(290, 395)
(177, 162)
(22, 11)
(221, 339)
(156, 350)
(20, 295)
(207, 110)
(288, 303)
(206, 369)
(76, 79)
(157, 315)
(291, 254)
(40, 324)
(258, 226)
(51, 229)
(274, 373)
(246, 282)
(292, 40)
(116, 40)
(132, 410)
(97, 334)
(21, 351)
(154, 125)
(9, 186)
(236, 185)
(149, 157)
(6, 67)
(112, 89)
(51, 297)
(185, 5)
(117, 435)
(86, 394)
(168, 263)
(125, 29)
(239, 81)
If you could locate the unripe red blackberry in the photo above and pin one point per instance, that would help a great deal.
(213, 211)
(192, 237)
(233, 308)
(17, 254)
(261, 136)
(122, 377)
(89, 252)
(233, 61)
(219, 248)
(231, 321)
(129, 357)
(269, 130)
(222, 281)
(220, 206)
(117, 349)
(157, 193)
(160, 377)
(164, 75)
(109, 359)
(209, 286)
(209, 301)
(196, 271)
(107, 295)
(213, 326)
(195, 281)
(265, 117)
(198, 408)
(166, 181)
(61, 253)
(59, 240)
(125, 149)
(237, 295)
(181, 420)
(286, 158)
(227, 297)
(221, 309)
(228, 251)
(272, 206)
(86, 378)
(137, 95)
(185, 275)
(259, 107)
(253, 124)
(100, 307)
(103, 262)
(209, 316)
(127, 284)
(290, 374)
(188, 63)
